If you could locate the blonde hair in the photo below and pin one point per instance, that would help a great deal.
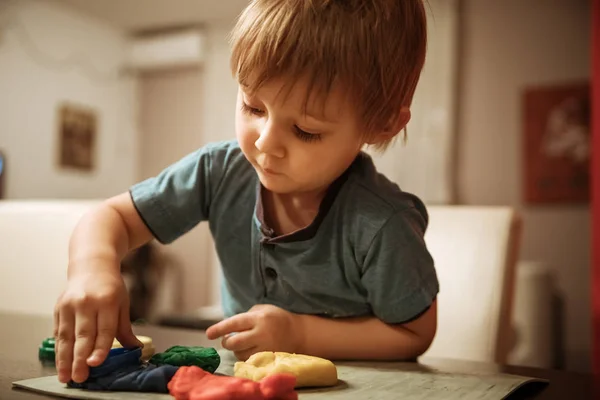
(375, 50)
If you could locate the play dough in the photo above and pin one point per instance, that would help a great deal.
(193, 383)
(206, 358)
(123, 370)
(309, 371)
(148, 349)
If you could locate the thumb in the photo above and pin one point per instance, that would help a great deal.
(125, 334)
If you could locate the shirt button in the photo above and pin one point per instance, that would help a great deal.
(271, 273)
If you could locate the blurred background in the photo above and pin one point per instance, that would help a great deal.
(97, 95)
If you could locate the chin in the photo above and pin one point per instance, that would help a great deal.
(277, 184)
(275, 187)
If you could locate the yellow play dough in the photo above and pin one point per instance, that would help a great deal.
(147, 350)
(309, 371)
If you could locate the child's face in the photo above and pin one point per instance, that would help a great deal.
(293, 152)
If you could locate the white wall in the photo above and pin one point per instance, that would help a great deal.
(170, 117)
(182, 110)
(49, 54)
(508, 45)
(423, 165)
(219, 96)
(168, 133)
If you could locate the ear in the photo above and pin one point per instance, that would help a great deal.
(394, 127)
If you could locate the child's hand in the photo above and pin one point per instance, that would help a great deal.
(90, 313)
(263, 328)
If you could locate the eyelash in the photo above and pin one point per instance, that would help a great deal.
(300, 134)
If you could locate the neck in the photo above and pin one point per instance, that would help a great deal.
(289, 212)
(300, 201)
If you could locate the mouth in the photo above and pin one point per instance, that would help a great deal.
(269, 171)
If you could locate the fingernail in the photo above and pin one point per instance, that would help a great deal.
(93, 358)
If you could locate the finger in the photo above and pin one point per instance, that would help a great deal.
(56, 316)
(240, 341)
(55, 332)
(64, 344)
(237, 323)
(106, 331)
(245, 354)
(125, 334)
(85, 337)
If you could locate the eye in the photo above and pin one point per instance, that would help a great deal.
(306, 136)
(251, 110)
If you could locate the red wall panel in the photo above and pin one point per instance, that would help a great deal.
(595, 177)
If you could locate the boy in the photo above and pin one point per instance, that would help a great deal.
(320, 254)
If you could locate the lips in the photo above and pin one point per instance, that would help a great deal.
(266, 166)
(270, 171)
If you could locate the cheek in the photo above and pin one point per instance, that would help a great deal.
(332, 159)
(314, 163)
(242, 126)
(245, 135)
(239, 122)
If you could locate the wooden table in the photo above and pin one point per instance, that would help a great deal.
(21, 335)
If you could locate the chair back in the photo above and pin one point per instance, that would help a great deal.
(475, 249)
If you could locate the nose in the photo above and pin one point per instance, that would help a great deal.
(269, 142)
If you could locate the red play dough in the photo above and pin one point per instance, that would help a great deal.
(194, 383)
(279, 386)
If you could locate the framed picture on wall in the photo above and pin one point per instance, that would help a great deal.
(77, 131)
(556, 144)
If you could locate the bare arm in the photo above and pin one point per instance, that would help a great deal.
(269, 328)
(367, 338)
(94, 308)
(107, 233)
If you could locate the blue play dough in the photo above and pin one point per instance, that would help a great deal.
(123, 370)
(119, 358)
(143, 378)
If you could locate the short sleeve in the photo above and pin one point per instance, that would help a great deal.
(399, 274)
(179, 197)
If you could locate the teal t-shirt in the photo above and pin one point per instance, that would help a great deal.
(363, 255)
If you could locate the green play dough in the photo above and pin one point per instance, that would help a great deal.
(206, 358)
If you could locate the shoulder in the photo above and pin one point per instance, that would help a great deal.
(218, 161)
(371, 203)
(386, 228)
(376, 197)
(222, 153)
(227, 160)
(209, 159)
